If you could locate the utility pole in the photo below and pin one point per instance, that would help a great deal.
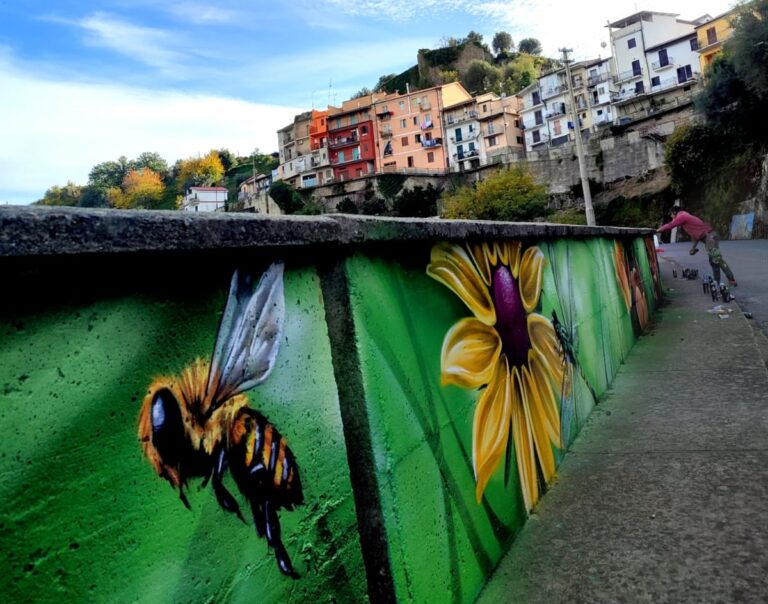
(590, 212)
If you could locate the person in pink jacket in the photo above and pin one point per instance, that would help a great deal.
(699, 231)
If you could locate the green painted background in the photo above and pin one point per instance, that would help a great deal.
(84, 518)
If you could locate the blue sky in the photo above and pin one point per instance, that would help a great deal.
(87, 81)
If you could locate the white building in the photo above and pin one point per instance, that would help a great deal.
(600, 87)
(204, 199)
(654, 53)
(253, 195)
(462, 130)
(535, 130)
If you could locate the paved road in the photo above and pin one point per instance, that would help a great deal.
(749, 262)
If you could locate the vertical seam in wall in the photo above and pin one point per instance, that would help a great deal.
(357, 433)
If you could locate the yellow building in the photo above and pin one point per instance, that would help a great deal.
(710, 36)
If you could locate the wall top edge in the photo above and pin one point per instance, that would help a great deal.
(52, 231)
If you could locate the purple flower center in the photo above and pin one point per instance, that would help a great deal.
(511, 318)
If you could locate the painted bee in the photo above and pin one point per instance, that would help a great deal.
(199, 424)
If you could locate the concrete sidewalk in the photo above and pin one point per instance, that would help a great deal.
(664, 495)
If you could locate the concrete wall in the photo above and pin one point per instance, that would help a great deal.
(412, 487)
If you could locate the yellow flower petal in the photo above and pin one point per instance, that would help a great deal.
(544, 413)
(470, 353)
(451, 265)
(521, 434)
(514, 257)
(531, 277)
(544, 340)
(482, 262)
(490, 428)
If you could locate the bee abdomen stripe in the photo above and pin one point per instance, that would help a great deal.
(267, 447)
(249, 448)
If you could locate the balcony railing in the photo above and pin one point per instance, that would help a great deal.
(555, 113)
(466, 155)
(425, 106)
(452, 119)
(597, 79)
(543, 139)
(342, 141)
(631, 74)
(620, 97)
(554, 91)
(435, 142)
(657, 65)
(465, 137)
(385, 133)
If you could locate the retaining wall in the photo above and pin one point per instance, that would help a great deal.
(426, 375)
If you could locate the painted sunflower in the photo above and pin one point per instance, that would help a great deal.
(509, 350)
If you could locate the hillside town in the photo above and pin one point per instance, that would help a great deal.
(655, 67)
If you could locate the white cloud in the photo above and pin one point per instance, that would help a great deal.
(206, 14)
(55, 131)
(154, 47)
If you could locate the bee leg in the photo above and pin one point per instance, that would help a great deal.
(223, 496)
(275, 542)
(183, 498)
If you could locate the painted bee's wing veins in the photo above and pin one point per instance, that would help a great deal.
(249, 334)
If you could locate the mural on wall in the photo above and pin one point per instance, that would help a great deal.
(509, 351)
(199, 423)
(631, 284)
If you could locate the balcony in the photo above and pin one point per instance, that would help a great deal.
(458, 119)
(626, 95)
(383, 113)
(470, 136)
(425, 106)
(543, 140)
(435, 142)
(626, 76)
(597, 79)
(554, 91)
(578, 82)
(659, 65)
(347, 160)
(467, 155)
(555, 113)
(603, 121)
(385, 133)
(671, 82)
(342, 141)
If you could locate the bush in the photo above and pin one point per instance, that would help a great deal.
(508, 194)
(418, 202)
(347, 206)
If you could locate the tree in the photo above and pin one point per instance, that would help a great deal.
(286, 197)
(381, 85)
(529, 46)
(109, 173)
(68, 195)
(748, 47)
(199, 171)
(362, 92)
(140, 189)
(151, 160)
(419, 202)
(502, 42)
(509, 194)
(480, 77)
(227, 159)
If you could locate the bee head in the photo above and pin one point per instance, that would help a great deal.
(161, 431)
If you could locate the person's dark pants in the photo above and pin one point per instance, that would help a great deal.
(716, 260)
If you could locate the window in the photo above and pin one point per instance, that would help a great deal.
(539, 119)
(471, 128)
(410, 161)
(404, 141)
(430, 157)
(536, 136)
(485, 108)
(519, 140)
(417, 138)
(536, 98)
(636, 70)
(457, 133)
(428, 136)
(341, 157)
(599, 112)
(695, 44)
(460, 151)
(415, 120)
(655, 81)
(517, 123)
(471, 146)
(352, 120)
(338, 122)
(663, 58)
(558, 128)
(403, 123)
(711, 35)
(639, 87)
(364, 130)
(492, 141)
(356, 153)
(601, 90)
(402, 105)
(631, 43)
(684, 74)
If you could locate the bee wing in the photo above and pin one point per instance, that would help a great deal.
(249, 334)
